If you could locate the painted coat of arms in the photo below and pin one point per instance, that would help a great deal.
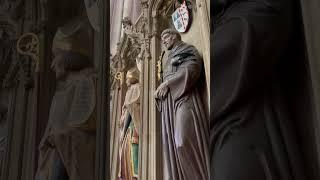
(181, 18)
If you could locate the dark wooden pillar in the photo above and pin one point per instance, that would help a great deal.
(102, 141)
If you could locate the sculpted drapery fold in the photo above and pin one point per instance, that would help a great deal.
(250, 122)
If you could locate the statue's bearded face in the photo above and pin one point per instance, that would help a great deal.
(169, 40)
(58, 65)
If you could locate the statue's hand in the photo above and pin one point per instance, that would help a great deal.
(161, 91)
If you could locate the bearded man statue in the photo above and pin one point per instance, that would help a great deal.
(185, 124)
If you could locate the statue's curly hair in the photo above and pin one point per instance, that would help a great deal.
(171, 31)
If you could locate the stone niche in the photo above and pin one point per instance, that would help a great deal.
(141, 46)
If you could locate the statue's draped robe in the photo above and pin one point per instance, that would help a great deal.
(129, 153)
(251, 134)
(129, 150)
(184, 120)
(64, 139)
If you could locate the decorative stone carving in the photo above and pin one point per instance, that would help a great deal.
(7, 49)
(131, 50)
(136, 35)
(117, 65)
(144, 4)
(28, 44)
(28, 47)
(165, 7)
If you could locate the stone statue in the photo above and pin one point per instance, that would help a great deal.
(67, 148)
(129, 128)
(251, 131)
(185, 124)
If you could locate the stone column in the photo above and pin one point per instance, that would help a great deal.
(204, 17)
(151, 151)
(103, 92)
(116, 15)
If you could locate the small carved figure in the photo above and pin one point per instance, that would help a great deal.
(129, 128)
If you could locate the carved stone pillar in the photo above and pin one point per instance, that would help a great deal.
(204, 12)
(151, 135)
(118, 94)
(18, 83)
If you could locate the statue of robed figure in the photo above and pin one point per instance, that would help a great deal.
(129, 128)
(185, 124)
(67, 148)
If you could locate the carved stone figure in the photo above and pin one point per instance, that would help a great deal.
(251, 131)
(130, 125)
(67, 149)
(185, 124)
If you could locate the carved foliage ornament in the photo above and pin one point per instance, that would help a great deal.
(136, 44)
(119, 76)
(132, 48)
(28, 44)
